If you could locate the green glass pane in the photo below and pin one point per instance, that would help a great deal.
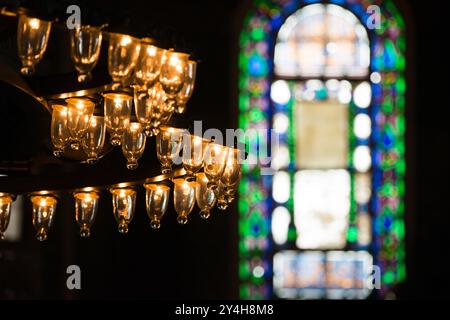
(258, 34)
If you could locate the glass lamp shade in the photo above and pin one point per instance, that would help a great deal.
(221, 195)
(44, 207)
(173, 73)
(232, 170)
(79, 112)
(86, 207)
(94, 139)
(133, 144)
(124, 202)
(157, 100)
(59, 131)
(6, 201)
(214, 163)
(117, 114)
(156, 200)
(193, 151)
(183, 198)
(85, 44)
(188, 87)
(205, 197)
(148, 65)
(32, 39)
(168, 144)
(143, 109)
(123, 53)
(230, 191)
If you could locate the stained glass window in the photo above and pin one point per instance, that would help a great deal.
(299, 59)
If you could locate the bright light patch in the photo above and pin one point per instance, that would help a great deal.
(362, 126)
(280, 122)
(280, 157)
(363, 95)
(281, 187)
(280, 225)
(375, 77)
(362, 160)
(280, 92)
(321, 208)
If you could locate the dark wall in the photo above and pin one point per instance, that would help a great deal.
(200, 260)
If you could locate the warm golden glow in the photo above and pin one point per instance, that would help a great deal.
(184, 199)
(117, 109)
(156, 199)
(44, 207)
(5, 212)
(86, 207)
(124, 202)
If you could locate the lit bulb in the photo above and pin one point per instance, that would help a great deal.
(156, 200)
(232, 170)
(184, 199)
(86, 207)
(188, 87)
(6, 200)
(205, 197)
(123, 53)
(94, 139)
(44, 207)
(32, 39)
(148, 65)
(133, 144)
(168, 144)
(79, 112)
(85, 44)
(193, 151)
(117, 114)
(59, 132)
(173, 73)
(124, 202)
(214, 163)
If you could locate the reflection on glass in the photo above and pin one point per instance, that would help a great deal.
(205, 197)
(86, 207)
(124, 202)
(168, 144)
(123, 54)
(117, 114)
(85, 44)
(133, 144)
(193, 151)
(59, 132)
(183, 198)
(214, 163)
(156, 200)
(173, 72)
(79, 112)
(32, 39)
(148, 64)
(44, 207)
(188, 88)
(6, 200)
(94, 138)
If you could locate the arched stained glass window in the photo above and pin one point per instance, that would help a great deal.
(334, 93)
(322, 40)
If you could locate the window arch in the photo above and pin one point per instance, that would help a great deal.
(303, 63)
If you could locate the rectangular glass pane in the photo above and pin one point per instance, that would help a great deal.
(321, 208)
(321, 129)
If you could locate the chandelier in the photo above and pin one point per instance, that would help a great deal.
(149, 85)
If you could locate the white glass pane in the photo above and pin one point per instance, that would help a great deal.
(321, 208)
(281, 187)
(280, 225)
